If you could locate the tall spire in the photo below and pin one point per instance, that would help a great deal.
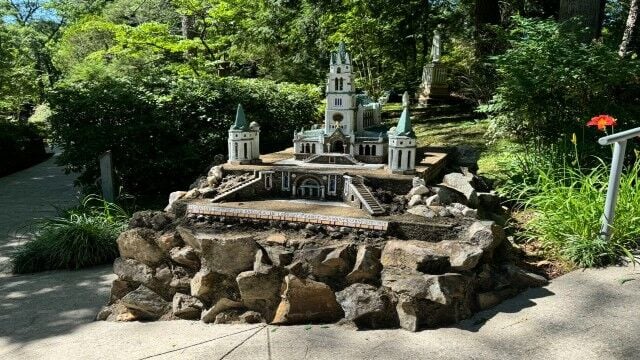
(404, 127)
(241, 120)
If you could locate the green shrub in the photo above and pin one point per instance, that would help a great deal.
(80, 237)
(550, 84)
(163, 135)
(20, 147)
(568, 206)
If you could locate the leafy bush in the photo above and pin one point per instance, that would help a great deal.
(80, 237)
(551, 83)
(20, 147)
(162, 135)
(568, 205)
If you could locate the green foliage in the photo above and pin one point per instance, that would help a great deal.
(164, 134)
(81, 237)
(551, 84)
(568, 206)
(21, 146)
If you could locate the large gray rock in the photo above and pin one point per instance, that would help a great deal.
(156, 220)
(140, 244)
(133, 271)
(486, 234)
(173, 197)
(222, 305)
(146, 302)
(413, 255)
(185, 256)
(523, 279)
(168, 240)
(229, 256)
(422, 210)
(215, 175)
(305, 301)
(367, 267)
(415, 200)
(336, 263)
(448, 196)
(209, 286)
(463, 256)
(260, 290)
(462, 184)
(418, 190)
(186, 307)
(367, 306)
(190, 237)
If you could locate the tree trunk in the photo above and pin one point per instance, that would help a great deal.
(487, 12)
(631, 38)
(590, 13)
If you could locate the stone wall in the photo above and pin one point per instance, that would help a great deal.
(219, 269)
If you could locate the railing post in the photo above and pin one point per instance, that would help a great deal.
(614, 186)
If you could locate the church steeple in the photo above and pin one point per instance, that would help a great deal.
(404, 127)
(241, 120)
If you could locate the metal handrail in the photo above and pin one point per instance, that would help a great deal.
(619, 142)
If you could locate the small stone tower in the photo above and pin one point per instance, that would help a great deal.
(402, 143)
(244, 140)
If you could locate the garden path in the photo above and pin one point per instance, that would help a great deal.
(29, 194)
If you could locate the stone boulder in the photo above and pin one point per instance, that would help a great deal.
(487, 235)
(305, 301)
(448, 196)
(139, 244)
(156, 220)
(168, 240)
(414, 255)
(260, 290)
(173, 197)
(462, 184)
(418, 190)
(523, 279)
(336, 263)
(215, 175)
(185, 256)
(186, 307)
(120, 288)
(132, 270)
(422, 210)
(367, 306)
(146, 302)
(210, 315)
(229, 256)
(367, 267)
(415, 200)
(209, 286)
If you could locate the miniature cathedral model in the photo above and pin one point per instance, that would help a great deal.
(352, 133)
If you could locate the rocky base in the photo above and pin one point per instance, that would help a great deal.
(223, 270)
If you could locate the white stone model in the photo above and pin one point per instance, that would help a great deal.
(244, 140)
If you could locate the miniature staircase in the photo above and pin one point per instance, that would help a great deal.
(312, 157)
(366, 197)
(237, 188)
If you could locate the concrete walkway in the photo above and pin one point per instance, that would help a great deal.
(583, 315)
(26, 195)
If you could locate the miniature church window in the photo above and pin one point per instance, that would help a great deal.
(336, 84)
(333, 179)
(268, 181)
(339, 70)
(246, 153)
(367, 150)
(361, 150)
(399, 159)
(313, 148)
(235, 150)
(341, 83)
(307, 148)
(285, 180)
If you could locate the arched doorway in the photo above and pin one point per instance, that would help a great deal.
(337, 146)
(309, 188)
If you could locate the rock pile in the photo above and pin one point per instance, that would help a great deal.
(208, 269)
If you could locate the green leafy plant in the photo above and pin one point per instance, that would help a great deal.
(568, 204)
(80, 237)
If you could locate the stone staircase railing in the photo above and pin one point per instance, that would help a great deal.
(366, 198)
(238, 187)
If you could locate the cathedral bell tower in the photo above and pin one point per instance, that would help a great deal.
(340, 92)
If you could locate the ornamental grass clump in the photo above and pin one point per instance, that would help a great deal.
(81, 237)
(568, 203)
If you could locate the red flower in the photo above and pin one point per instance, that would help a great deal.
(602, 121)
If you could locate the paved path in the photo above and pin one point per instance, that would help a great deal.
(28, 194)
(583, 315)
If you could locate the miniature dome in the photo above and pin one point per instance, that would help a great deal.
(254, 125)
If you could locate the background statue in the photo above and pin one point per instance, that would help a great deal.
(436, 46)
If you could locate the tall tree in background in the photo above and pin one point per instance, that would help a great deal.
(589, 12)
(487, 14)
(631, 38)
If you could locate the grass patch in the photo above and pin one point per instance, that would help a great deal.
(81, 237)
(567, 205)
